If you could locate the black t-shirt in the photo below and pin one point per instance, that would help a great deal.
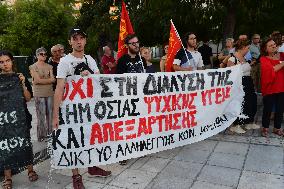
(185, 61)
(126, 64)
(206, 53)
(54, 70)
(54, 66)
(150, 69)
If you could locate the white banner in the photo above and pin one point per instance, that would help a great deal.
(109, 118)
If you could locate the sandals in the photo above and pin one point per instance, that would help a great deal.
(7, 184)
(264, 132)
(278, 132)
(32, 176)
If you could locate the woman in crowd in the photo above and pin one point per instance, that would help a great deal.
(226, 51)
(146, 53)
(272, 87)
(43, 78)
(250, 99)
(7, 67)
(164, 58)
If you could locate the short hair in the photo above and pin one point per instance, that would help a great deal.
(39, 50)
(129, 37)
(263, 46)
(243, 35)
(230, 39)
(241, 43)
(60, 46)
(255, 35)
(104, 48)
(145, 48)
(53, 47)
(185, 38)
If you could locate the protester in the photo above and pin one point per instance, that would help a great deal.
(188, 59)
(281, 48)
(207, 55)
(272, 87)
(7, 67)
(277, 38)
(75, 63)
(250, 98)
(132, 62)
(54, 60)
(255, 53)
(146, 53)
(108, 63)
(225, 52)
(62, 49)
(163, 60)
(42, 80)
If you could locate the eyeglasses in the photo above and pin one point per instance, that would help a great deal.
(134, 43)
(42, 54)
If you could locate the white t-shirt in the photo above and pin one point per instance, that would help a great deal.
(281, 48)
(198, 61)
(244, 66)
(67, 64)
(193, 59)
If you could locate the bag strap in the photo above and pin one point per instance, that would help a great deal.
(236, 60)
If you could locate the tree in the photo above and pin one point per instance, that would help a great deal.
(214, 19)
(5, 19)
(37, 23)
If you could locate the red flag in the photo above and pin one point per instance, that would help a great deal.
(174, 46)
(125, 29)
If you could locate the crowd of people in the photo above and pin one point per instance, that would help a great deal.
(261, 63)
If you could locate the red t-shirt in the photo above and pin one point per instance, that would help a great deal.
(107, 70)
(271, 82)
(281, 56)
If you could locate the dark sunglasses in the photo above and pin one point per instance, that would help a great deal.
(42, 54)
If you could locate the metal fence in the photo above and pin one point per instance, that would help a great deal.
(23, 63)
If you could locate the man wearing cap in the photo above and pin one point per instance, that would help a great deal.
(68, 66)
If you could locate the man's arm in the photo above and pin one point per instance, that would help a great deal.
(57, 101)
(179, 68)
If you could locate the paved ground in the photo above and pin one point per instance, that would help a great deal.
(224, 161)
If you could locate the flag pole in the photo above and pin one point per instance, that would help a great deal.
(141, 61)
(180, 40)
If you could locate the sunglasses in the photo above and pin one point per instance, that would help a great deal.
(42, 54)
(134, 43)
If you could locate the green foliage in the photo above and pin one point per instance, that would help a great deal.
(37, 23)
(95, 19)
(30, 24)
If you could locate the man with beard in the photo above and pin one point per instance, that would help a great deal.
(188, 59)
(75, 63)
(132, 62)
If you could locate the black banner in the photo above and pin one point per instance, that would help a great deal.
(15, 143)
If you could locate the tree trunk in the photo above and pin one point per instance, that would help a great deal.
(230, 21)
